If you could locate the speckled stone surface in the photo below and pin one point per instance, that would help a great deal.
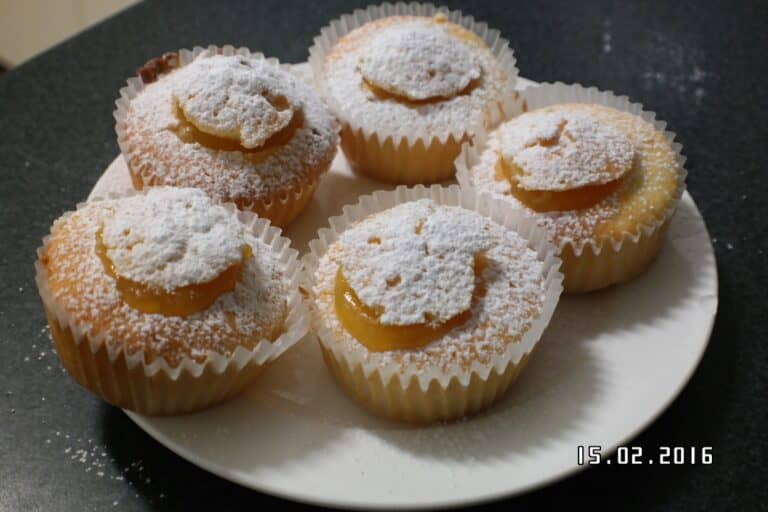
(701, 65)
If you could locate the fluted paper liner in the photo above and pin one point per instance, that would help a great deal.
(128, 381)
(428, 393)
(280, 210)
(586, 265)
(378, 146)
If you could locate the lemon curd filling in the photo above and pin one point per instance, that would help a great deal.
(548, 200)
(383, 95)
(362, 321)
(188, 133)
(183, 301)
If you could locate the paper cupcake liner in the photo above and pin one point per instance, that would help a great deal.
(401, 163)
(428, 393)
(129, 381)
(626, 256)
(590, 271)
(412, 404)
(280, 209)
(372, 149)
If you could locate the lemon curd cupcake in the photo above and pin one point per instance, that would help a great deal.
(165, 303)
(425, 309)
(409, 84)
(599, 174)
(231, 123)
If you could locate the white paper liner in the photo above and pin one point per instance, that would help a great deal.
(450, 196)
(134, 85)
(339, 27)
(296, 322)
(546, 94)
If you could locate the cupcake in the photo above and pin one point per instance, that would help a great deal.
(409, 84)
(428, 302)
(166, 303)
(599, 175)
(231, 123)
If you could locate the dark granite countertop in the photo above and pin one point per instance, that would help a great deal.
(701, 66)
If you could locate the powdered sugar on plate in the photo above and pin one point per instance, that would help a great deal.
(172, 237)
(416, 262)
(418, 62)
(561, 150)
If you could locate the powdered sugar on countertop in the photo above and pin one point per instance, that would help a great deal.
(172, 237)
(418, 62)
(512, 279)
(563, 150)
(154, 150)
(353, 102)
(233, 97)
(416, 262)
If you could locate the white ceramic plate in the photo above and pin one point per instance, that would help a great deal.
(608, 365)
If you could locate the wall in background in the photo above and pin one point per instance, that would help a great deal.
(28, 27)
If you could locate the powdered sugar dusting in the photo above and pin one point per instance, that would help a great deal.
(645, 194)
(254, 310)
(416, 262)
(234, 97)
(418, 62)
(561, 150)
(154, 150)
(172, 237)
(352, 100)
(512, 279)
